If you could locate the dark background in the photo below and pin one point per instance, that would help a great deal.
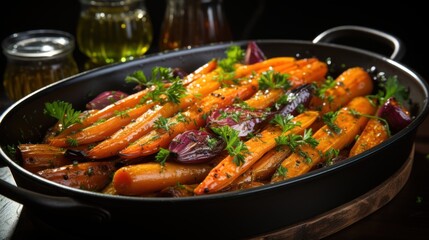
(253, 19)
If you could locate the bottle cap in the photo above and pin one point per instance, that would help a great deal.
(38, 44)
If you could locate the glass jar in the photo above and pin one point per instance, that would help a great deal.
(35, 59)
(192, 23)
(110, 31)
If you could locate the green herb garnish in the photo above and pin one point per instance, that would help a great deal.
(284, 122)
(271, 80)
(235, 147)
(329, 119)
(162, 156)
(234, 54)
(64, 112)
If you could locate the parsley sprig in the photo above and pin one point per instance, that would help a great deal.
(162, 156)
(284, 122)
(296, 141)
(157, 82)
(63, 111)
(271, 79)
(234, 54)
(392, 88)
(329, 119)
(235, 147)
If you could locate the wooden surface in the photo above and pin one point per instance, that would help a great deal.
(349, 213)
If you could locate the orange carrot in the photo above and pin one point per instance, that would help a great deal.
(92, 176)
(265, 167)
(36, 157)
(159, 138)
(227, 170)
(152, 177)
(100, 131)
(349, 123)
(351, 83)
(375, 132)
(132, 100)
(197, 89)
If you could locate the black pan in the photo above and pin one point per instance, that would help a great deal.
(239, 214)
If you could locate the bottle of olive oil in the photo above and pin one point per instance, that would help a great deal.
(111, 31)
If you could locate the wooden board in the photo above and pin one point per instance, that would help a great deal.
(343, 216)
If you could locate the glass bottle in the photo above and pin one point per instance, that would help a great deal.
(192, 23)
(110, 31)
(35, 59)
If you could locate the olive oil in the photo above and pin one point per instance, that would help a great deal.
(114, 31)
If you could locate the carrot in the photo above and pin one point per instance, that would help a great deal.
(265, 167)
(159, 138)
(132, 100)
(100, 131)
(92, 176)
(151, 177)
(375, 132)
(227, 171)
(36, 157)
(349, 84)
(201, 71)
(108, 111)
(197, 89)
(303, 71)
(144, 123)
(350, 125)
(245, 70)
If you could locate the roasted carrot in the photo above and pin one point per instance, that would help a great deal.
(349, 123)
(265, 167)
(375, 132)
(132, 100)
(100, 131)
(349, 84)
(36, 157)
(195, 90)
(227, 171)
(144, 123)
(307, 71)
(303, 71)
(194, 119)
(199, 72)
(151, 177)
(245, 70)
(92, 176)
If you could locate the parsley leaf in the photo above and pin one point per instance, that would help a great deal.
(235, 147)
(62, 111)
(271, 79)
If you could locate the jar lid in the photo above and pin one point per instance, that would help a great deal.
(38, 44)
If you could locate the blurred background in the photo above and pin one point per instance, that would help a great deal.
(250, 19)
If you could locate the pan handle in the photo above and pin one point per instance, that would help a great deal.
(65, 207)
(350, 30)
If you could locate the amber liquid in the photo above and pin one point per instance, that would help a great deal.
(193, 23)
(22, 77)
(112, 34)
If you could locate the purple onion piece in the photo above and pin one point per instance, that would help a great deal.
(104, 99)
(244, 121)
(195, 146)
(179, 72)
(296, 97)
(395, 114)
(253, 53)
